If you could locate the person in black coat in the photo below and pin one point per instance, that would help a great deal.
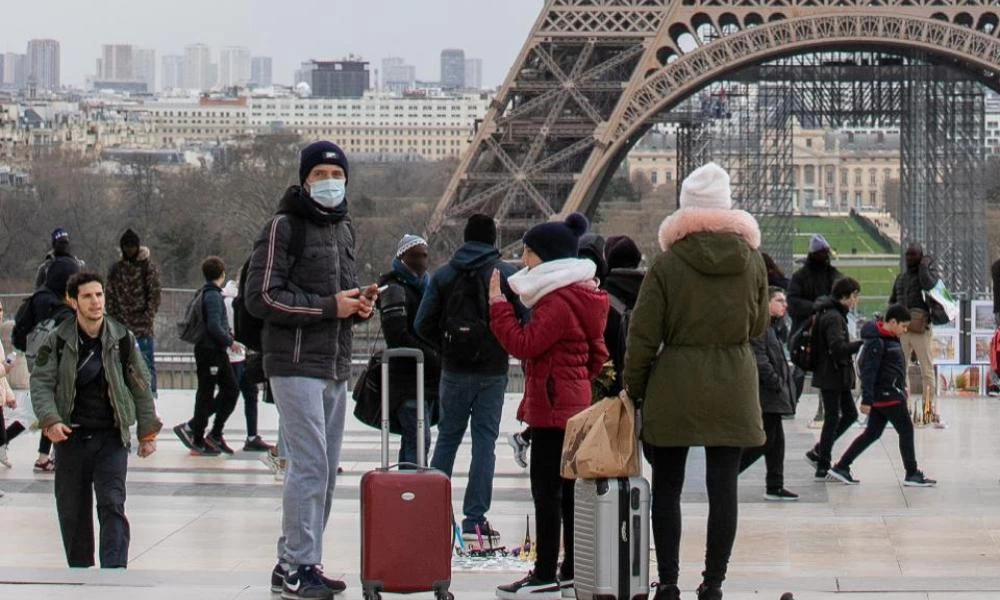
(398, 304)
(776, 399)
(834, 369)
(622, 285)
(775, 276)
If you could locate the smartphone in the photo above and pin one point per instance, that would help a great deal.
(382, 289)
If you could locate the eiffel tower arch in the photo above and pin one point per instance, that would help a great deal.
(594, 75)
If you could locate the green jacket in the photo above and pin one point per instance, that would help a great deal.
(53, 380)
(689, 358)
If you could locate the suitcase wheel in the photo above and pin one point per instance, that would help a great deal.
(372, 596)
(445, 596)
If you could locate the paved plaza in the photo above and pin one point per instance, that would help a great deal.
(206, 527)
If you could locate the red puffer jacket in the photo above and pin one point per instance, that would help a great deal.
(562, 349)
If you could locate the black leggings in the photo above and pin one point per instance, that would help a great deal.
(899, 416)
(841, 414)
(553, 497)
(722, 472)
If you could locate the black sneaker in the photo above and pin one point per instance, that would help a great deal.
(667, 592)
(278, 576)
(305, 583)
(781, 495)
(185, 435)
(709, 592)
(918, 479)
(255, 444)
(217, 442)
(487, 533)
(530, 587)
(812, 458)
(821, 474)
(335, 585)
(200, 448)
(843, 475)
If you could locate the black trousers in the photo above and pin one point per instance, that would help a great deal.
(722, 472)
(250, 393)
(7, 434)
(89, 464)
(773, 452)
(841, 414)
(214, 370)
(553, 497)
(899, 416)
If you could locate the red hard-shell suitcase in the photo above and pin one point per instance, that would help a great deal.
(406, 519)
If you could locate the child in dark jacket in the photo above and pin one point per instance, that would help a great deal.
(884, 396)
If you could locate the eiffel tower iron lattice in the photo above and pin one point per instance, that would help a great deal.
(594, 75)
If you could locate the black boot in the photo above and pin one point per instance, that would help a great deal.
(667, 592)
(709, 592)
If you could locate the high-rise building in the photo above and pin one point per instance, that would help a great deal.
(145, 67)
(340, 78)
(452, 69)
(260, 71)
(172, 72)
(199, 73)
(14, 75)
(304, 73)
(116, 63)
(42, 66)
(234, 66)
(397, 76)
(474, 73)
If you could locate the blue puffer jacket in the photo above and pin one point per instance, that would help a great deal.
(883, 367)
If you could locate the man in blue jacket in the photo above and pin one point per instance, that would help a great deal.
(454, 316)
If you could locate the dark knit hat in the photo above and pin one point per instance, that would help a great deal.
(481, 228)
(592, 248)
(59, 234)
(321, 153)
(129, 239)
(557, 239)
(59, 272)
(622, 252)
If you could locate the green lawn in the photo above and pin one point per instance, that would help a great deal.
(845, 236)
(876, 285)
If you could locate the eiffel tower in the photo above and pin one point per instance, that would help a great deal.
(594, 74)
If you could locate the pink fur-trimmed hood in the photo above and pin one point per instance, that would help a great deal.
(687, 221)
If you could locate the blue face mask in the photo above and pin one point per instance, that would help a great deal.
(328, 193)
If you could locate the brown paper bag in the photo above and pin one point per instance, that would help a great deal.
(601, 442)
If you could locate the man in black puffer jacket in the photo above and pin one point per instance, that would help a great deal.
(834, 373)
(308, 301)
(398, 304)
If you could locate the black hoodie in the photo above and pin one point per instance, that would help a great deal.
(624, 285)
(833, 348)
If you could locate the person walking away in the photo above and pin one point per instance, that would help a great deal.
(309, 302)
(134, 295)
(563, 350)
(622, 285)
(454, 316)
(88, 387)
(777, 399)
(213, 369)
(239, 359)
(834, 373)
(60, 248)
(910, 289)
(884, 397)
(398, 304)
(690, 366)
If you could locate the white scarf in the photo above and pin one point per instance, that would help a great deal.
(531, 285)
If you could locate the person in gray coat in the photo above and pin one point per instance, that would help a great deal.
(777, 399)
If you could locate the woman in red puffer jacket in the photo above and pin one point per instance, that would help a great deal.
(562, 349)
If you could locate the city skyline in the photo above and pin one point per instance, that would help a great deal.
(289, 40)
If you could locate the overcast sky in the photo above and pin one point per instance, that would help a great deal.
(289, 31)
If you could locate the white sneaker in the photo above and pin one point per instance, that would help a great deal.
(270, 461)
(520, 446)
(3, 457)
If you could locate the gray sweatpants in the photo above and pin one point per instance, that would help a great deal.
(311, 428)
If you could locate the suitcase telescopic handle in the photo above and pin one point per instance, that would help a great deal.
(387, 356)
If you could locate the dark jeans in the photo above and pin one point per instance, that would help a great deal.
(722, 472)
(9, 433)
(553, 497)
(249, 392)
(840, 415)
(407, 416)
(899, 416)
(475, 402)
(214, 369)
(90, 463)
(147, 345)
(773, 452)
(44, 445)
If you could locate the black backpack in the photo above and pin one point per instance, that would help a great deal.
(801, 344)
(624, 320)
(246, 327)
(192, 328)
(25, 319)
(465, 323)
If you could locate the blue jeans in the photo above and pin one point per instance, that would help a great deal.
(147, 345)
(477, 400)
(408, 425)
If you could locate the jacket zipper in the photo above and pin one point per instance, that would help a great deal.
(298, 345)
(112, 393)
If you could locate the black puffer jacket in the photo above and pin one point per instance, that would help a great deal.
(911, 284)
(624, 285)
(213, 310)
(883, 367)
(833, 348)
(809, 284)
(776, 386)
(302, 335)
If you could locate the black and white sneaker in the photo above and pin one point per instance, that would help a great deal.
(821, 474)
(278, 578)
(336, 586)
(842, 475)
(781, 495)
(485, 531)
(217, 442)
(520, 446)
(185, 435)
(530, 587)
(305, 583)
(918, 479)
(812, 458)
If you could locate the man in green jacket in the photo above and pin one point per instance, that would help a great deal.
(89, 385)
